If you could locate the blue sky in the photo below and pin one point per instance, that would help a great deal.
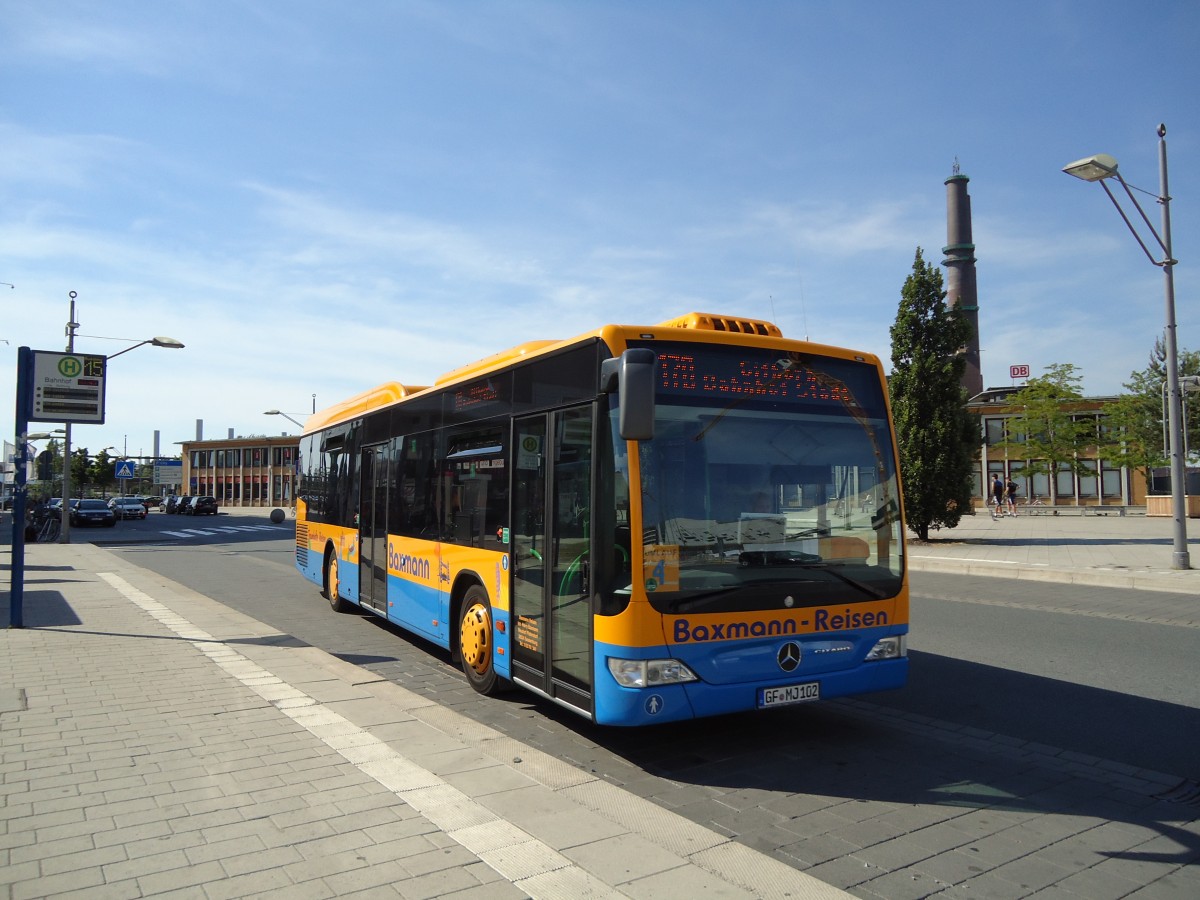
(316, 197)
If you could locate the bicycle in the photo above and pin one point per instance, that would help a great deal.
(48, 529)
(1031, 505)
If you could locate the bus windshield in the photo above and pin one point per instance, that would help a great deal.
(770, 482)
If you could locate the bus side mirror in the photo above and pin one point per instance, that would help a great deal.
(632, 377)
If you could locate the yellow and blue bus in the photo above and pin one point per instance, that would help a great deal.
(641, 524)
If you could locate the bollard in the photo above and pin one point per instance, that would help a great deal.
(277, 516)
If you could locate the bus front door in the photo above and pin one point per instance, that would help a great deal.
(372, 528)
(550, 547)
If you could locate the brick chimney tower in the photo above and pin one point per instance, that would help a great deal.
(959, 261)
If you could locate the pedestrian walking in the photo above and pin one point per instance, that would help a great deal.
(1010, 496)
(997, 498)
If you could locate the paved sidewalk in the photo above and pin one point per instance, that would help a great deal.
(155, 742)
(1112, 551)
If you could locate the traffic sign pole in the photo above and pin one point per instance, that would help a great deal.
(16, 594)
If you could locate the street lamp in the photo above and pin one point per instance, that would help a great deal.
(1100, 168)
(276, 412)
(168, 342)
(72, 326)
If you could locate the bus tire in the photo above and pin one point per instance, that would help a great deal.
(336, 603)
(475, 641)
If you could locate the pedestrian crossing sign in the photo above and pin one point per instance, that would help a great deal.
(124, 468)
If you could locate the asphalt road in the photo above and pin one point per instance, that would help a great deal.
(1118, 690)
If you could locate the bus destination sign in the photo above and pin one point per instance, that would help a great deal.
(68, 387)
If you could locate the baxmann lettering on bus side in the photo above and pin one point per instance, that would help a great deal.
(407, 564)
(823, 620)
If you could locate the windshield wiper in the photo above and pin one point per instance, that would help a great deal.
(832, 568)
(797, 559)
(693, 600)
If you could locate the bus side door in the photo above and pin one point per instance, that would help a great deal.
(550, 553)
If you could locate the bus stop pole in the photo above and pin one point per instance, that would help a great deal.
(16, 594)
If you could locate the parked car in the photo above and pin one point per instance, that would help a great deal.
(202, 506)
(171, 504)
(150, 503)
(127, 508)
(181, 508)
(92, 512)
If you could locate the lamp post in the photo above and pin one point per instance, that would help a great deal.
(1100, 168)
(276, 412)
(72, 327)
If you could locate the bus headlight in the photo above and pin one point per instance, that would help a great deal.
(889, 648)
(641, 673)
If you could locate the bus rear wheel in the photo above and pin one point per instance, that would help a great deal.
(336, 603)
(475, 641)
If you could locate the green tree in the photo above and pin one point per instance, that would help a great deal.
(936, 435)
(80, 471)
(1136, 434)
(1047, 433)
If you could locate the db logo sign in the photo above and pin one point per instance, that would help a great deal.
(1018, 371)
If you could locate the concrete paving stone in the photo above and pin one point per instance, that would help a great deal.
(43, 886)
(385, 800)
(141, 812)
(1031, 873)
(813, 851)
(410, 825)
(998, 849)
(415, 739)
(196, 822)
(573, 827)
(498, 778)
(399, 848)
(318, 866)
(1144, 871)
(121, 890)
(68, 862)
(688, 881)
(893, 853)
(14, 872)
(309, 890)
(951, 866)
(166, 859)
(65, 778)
(845, 873)
(906, 884)
(297, 835)
(1097, 884)
(333, 843)
(1177, 884)
(104, 831)
(12, 839)
(437, 859)
(622, 858)
(238, 859)
(816, 823)
(247, 885)
(377, 875)
(334, 789)
(488, 890)
(48, 848)
(177, 879)
(436, 884)
(224, 849)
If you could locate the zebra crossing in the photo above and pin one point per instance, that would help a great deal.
(219, 530)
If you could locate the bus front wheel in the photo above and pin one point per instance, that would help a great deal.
(475, 641)
(336, 602)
